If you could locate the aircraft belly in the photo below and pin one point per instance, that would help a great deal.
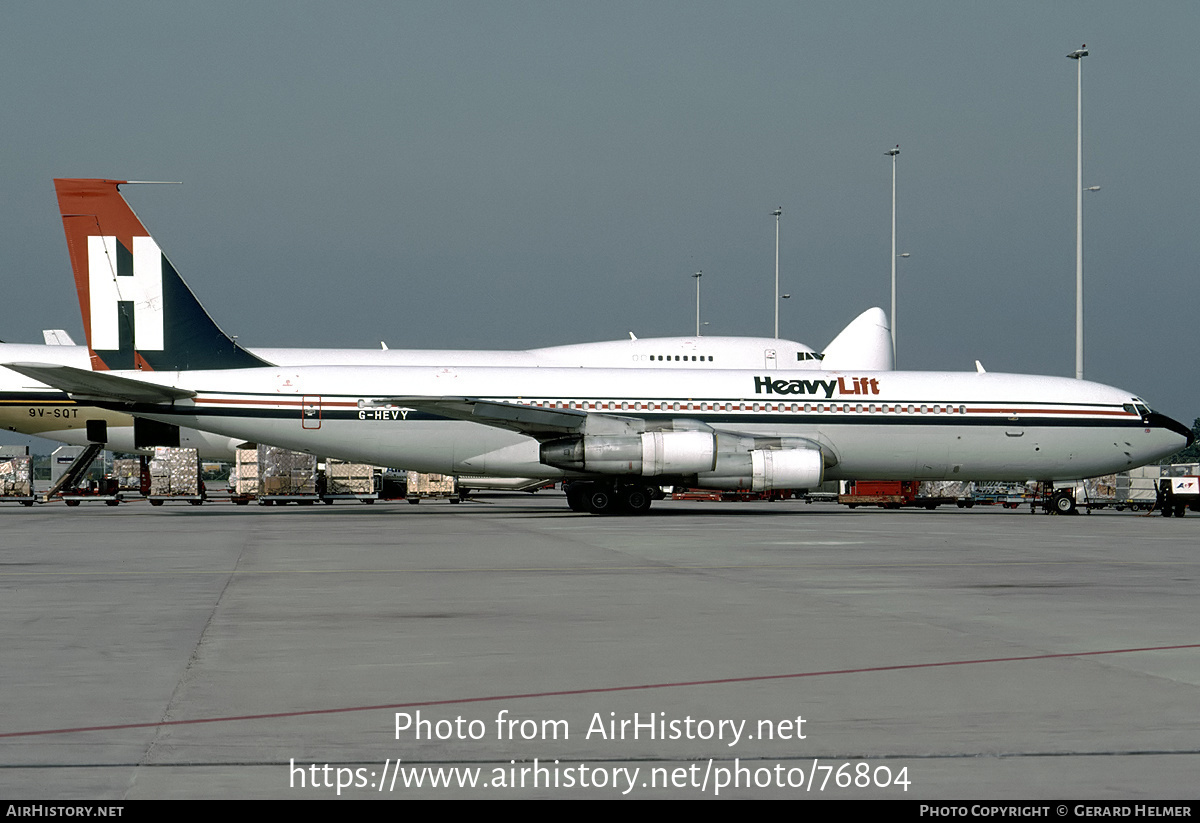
(1001, 451)
(440, 446)
(984, 452)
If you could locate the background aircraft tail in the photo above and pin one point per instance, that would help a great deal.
(864, 344)
(137, 311)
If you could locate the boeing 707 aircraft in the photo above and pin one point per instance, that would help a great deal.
(620, 432)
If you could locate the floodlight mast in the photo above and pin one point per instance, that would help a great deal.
(892, 319)
(777, 213)
(1078, 56)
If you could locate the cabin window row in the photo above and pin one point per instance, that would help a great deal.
(793, 408)
(658, 358)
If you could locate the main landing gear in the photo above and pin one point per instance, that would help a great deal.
(609, 498)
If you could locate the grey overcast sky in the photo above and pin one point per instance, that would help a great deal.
(516, 174)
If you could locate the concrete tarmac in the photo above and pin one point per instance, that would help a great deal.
(708, 649)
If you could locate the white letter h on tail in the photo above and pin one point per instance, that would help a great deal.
(107, 287)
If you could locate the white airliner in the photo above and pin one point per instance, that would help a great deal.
(623, 431)
(138, 313)
(617, 431)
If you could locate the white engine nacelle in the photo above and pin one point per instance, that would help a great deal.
(765, 469)
(649, 454)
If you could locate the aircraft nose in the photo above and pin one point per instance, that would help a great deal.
(1161, 421)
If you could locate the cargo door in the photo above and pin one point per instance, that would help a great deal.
(310, 411)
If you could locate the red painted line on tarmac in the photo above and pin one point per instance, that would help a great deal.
(601, 690)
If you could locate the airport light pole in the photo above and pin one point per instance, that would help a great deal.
(698, 275)
(1078, 56)
(777, 213)
(892, 319)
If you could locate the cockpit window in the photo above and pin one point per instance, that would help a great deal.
(1142, 410)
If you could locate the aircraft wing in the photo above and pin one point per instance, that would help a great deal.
(548, 425)
(539, 423)
(93, 386)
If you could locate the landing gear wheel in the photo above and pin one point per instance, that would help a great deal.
(601, 500)
(636, 499)
(1063, 503)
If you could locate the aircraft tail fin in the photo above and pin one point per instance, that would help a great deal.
(138, 313)
(864, 344)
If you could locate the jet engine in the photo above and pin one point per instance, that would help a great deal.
(648, 455)
(764, 469)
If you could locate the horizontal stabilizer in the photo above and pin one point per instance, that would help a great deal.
(92, 386)
(57, 337)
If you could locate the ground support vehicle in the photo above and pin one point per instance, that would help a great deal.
(93, 491)
(705, 495)
(1176, 495)
(734, 495)
(913, 494)
(69, 467)
(887, 494)
(1008, 495)
(1092, 493)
